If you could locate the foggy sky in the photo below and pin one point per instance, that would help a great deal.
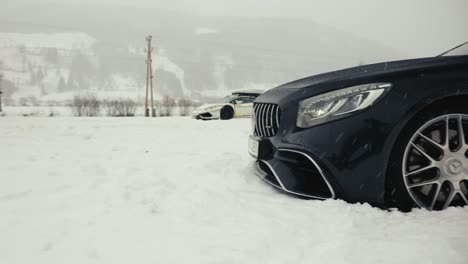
(415, 27)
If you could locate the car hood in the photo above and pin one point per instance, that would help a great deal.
(330, 81)
(368, 70)
(205, 106)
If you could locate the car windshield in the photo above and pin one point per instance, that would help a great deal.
(457, 51)
(227, 99)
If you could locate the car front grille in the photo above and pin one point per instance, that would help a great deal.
(266, 119)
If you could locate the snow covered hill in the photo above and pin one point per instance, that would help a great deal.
(176, 190)
(50, 56)
(39, 64)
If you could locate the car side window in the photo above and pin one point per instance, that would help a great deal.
(243, 100)
(246, 100)
(239, 100)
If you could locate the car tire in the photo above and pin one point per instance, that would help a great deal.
(400, 190)
(226, 113)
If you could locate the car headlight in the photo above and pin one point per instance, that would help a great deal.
(333, 105)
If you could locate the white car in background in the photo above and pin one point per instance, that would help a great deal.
(239, 104)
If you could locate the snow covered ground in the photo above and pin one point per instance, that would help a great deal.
(176, 190)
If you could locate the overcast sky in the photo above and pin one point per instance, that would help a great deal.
(415, 27)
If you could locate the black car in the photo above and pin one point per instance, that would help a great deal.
(392, 134)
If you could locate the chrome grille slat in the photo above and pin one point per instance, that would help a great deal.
(277, 117)
(255, 114)
(259, 120)
(272, 129)
(262, 119)
(267, 117)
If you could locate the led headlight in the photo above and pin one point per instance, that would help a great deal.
(329, 106)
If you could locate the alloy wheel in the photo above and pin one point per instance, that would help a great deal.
(435, 163)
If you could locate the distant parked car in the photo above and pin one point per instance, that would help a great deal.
(239, 104)
(393, 134)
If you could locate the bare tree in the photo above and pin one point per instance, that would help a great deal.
(52, 103)
(167, 106)
(85, 105)
(120, 107)
(8, 101)
(158, 105)
(111, 107)
(130, 107)
(185, 106)
(23, 101)
(77, 105)
(29, 101)
(32, 100)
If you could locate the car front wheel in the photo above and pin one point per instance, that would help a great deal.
(430, 162)
(227, 113)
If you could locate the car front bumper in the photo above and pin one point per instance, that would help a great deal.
(345, 159)
(206, 115)
(296, 173)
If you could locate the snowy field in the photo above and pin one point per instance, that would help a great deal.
(176, 190)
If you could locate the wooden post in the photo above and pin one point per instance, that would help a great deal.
(1, 80)
(153, 110)
(146, 97)
(149, 80)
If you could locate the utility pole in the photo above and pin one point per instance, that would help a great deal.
(149, 79)
(1, 80)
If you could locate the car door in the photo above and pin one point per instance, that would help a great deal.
(244, 106)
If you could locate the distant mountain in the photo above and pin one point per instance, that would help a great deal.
(53, 53)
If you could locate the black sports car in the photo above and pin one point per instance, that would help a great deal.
(392, 134)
